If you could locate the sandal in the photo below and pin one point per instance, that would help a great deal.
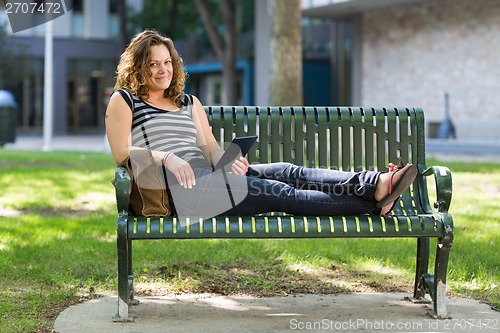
(382, 211)
(404, 182)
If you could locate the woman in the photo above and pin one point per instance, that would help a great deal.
(149, 110)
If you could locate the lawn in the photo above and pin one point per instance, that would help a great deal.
(57, 246)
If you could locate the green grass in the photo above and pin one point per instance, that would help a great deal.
(57, 246)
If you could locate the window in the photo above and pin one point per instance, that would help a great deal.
(77, 21)
(76, 5)
(90, 84)
(114, 21)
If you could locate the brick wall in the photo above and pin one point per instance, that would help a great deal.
(413, 54)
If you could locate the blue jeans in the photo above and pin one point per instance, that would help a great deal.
(278, 187)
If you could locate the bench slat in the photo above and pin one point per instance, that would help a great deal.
(369, 145)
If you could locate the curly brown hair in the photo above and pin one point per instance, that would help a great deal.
(133, 69)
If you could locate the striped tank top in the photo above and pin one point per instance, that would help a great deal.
(162, 130)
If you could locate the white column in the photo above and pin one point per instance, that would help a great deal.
(96, 16)
(262, 52)
(48, 90)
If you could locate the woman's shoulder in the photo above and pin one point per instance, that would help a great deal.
(128, 96)
(127, 93)
(187, 100)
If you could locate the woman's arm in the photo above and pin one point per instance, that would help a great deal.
(119, 127)
(205, 138)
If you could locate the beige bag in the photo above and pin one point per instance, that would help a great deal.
(149, 193)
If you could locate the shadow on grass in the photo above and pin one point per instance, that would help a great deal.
(256, 267)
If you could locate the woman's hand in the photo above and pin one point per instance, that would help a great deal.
(181, 170)
(240, 166)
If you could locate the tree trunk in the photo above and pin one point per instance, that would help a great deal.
(224, 48)
(286, 53)
(229, 71)
(122, 17)
(172, 17)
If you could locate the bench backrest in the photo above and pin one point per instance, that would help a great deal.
(330, 137)
(343, 138)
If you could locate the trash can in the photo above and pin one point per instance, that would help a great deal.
(8, 117)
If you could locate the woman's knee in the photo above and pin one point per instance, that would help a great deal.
(280, 170)
(269, 170)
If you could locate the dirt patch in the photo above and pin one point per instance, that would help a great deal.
(51, 211)
(263, 281)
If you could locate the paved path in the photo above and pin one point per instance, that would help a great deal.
(371, 312)
(461, 150)
(92, 143)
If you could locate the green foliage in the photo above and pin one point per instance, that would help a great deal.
(57, 246)
(182, 20)
(158, 15)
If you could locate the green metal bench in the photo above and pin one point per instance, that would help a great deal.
(329, 137)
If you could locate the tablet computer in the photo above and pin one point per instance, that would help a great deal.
(238, 147)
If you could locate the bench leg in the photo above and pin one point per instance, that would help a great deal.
(422, 279)
(125, 277)
(423, 250)
(132, 300)
(440, 270)
(434, 285)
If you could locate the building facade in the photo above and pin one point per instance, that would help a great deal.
(414, 52)
(85, 54)
(356, 52)
(86, 51)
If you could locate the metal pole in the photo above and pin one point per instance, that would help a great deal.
(48, 103)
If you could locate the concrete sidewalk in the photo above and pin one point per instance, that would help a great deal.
(371, 312)
(80, 142)
(463, 150)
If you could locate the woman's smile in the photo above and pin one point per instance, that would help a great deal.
(161, 68)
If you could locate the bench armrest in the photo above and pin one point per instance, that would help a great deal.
(443, 181)
(122, 188)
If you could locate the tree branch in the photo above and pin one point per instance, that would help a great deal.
(213, 35)
(172, 15)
